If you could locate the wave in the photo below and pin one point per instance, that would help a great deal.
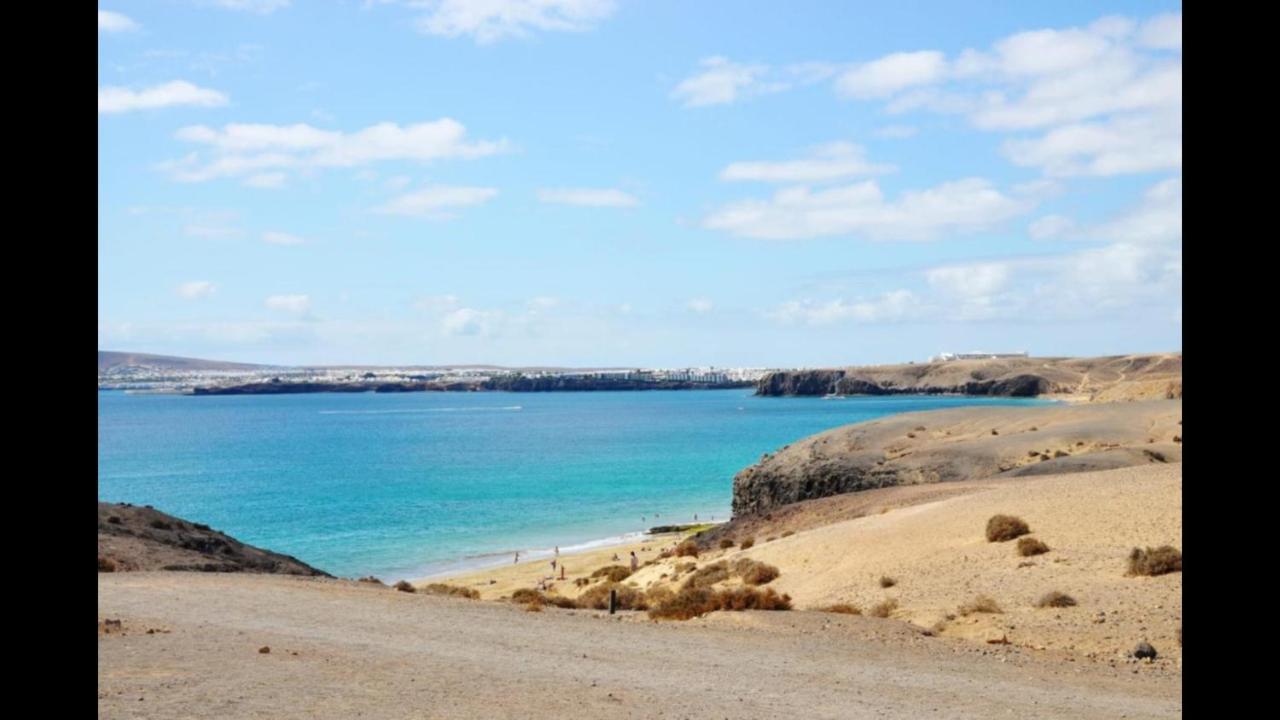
(504, 408)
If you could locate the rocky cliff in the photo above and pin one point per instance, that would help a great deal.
(962, 444)
(1101, 379)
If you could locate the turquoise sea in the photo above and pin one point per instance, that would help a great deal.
(407, 485)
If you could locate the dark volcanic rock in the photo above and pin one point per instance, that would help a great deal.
(142, 538)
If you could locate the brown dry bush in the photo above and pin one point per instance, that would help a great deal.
(980, 604)
(615, 573)
(1028, 546)
(884, 609)
(404, 586)
(771, 538)
(452, 590)
(887, 582)
(1005, 527)
(788, 533)
(688, 548)
(746, 544)
(524, 595)
(708, 575)
(843, 609)
(371, 580)
(692, 602)
(751, 599)
(106, 564)
(597, 598)
(725, 544)
(581, 582)
(1155, 561)
(1055, 599)
(759, 573)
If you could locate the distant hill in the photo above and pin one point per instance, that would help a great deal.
(110, 360)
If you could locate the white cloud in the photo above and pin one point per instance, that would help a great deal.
(196, 289)
(890, 307)
(700, 306)
(491, 20)
(723, 81)
(296, 304)
(895, 132)
(435, 201)
(834, 161)
(588, 197)
(270, 180)
(281, 238)
(1050, 226)
(1162, 32)
(1129, 144)
(469, 321)
(974, 280)
(261, 7)
(1157, 219)
(112, 22)
(892, 73)
(861, 209)
(179, 92)
(210, 232)
(241, 148)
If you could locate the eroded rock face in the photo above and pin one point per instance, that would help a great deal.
(959, 444)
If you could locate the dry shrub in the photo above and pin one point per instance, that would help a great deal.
(597, 598)
(106, 564)
(688, 548)
(887, 582)
(980, 604)
(843, 609)
(708, 575)
(759, 573)
(771, 538)
(746, 544)
(1028, 546)
(725, 544)
(535, 606)
(615, 573)
(1001, 528)
(1056, 599)
(1155, 561)
(581, 582)
(664, 554)
(371, 580)
(159, 524)
(524, 595)
(884, 609)
(452, 590)
(685, 567)
(657, 595)
(404, 586)
(788, 533)
(692, 602)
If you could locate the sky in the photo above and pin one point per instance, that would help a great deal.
(628, 183)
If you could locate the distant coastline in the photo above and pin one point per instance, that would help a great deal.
(525, 384)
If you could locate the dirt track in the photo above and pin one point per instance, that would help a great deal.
(374, 652)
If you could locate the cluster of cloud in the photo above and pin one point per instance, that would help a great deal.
(1137, 267)
(261, 7)
(1105, 99)
(436, 201)
(112, 99)
(488, 21)
(262, 153)
(114, 22)
(588, 197)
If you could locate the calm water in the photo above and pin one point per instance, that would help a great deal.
(402, 485)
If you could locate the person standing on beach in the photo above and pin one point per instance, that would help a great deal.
(517, 560)
(635, 561)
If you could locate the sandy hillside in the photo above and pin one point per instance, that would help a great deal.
(187, 645)
(938, 555)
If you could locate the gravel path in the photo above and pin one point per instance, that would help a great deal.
(339, 649)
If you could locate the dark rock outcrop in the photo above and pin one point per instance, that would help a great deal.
(961, 444)
(132, 537)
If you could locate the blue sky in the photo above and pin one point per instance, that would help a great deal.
(596, 182)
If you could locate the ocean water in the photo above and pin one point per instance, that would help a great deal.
(408, 485)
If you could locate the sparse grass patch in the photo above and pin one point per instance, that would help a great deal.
(688, 548)
(748, 543)
(1001, 528)
(887, 582)
(843, 609)
(1155, 561)
(452, 590)
(615, 573)
(980, 604)
(884, 609)
(404, 586)
(1055, 599)
(1028, 546)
